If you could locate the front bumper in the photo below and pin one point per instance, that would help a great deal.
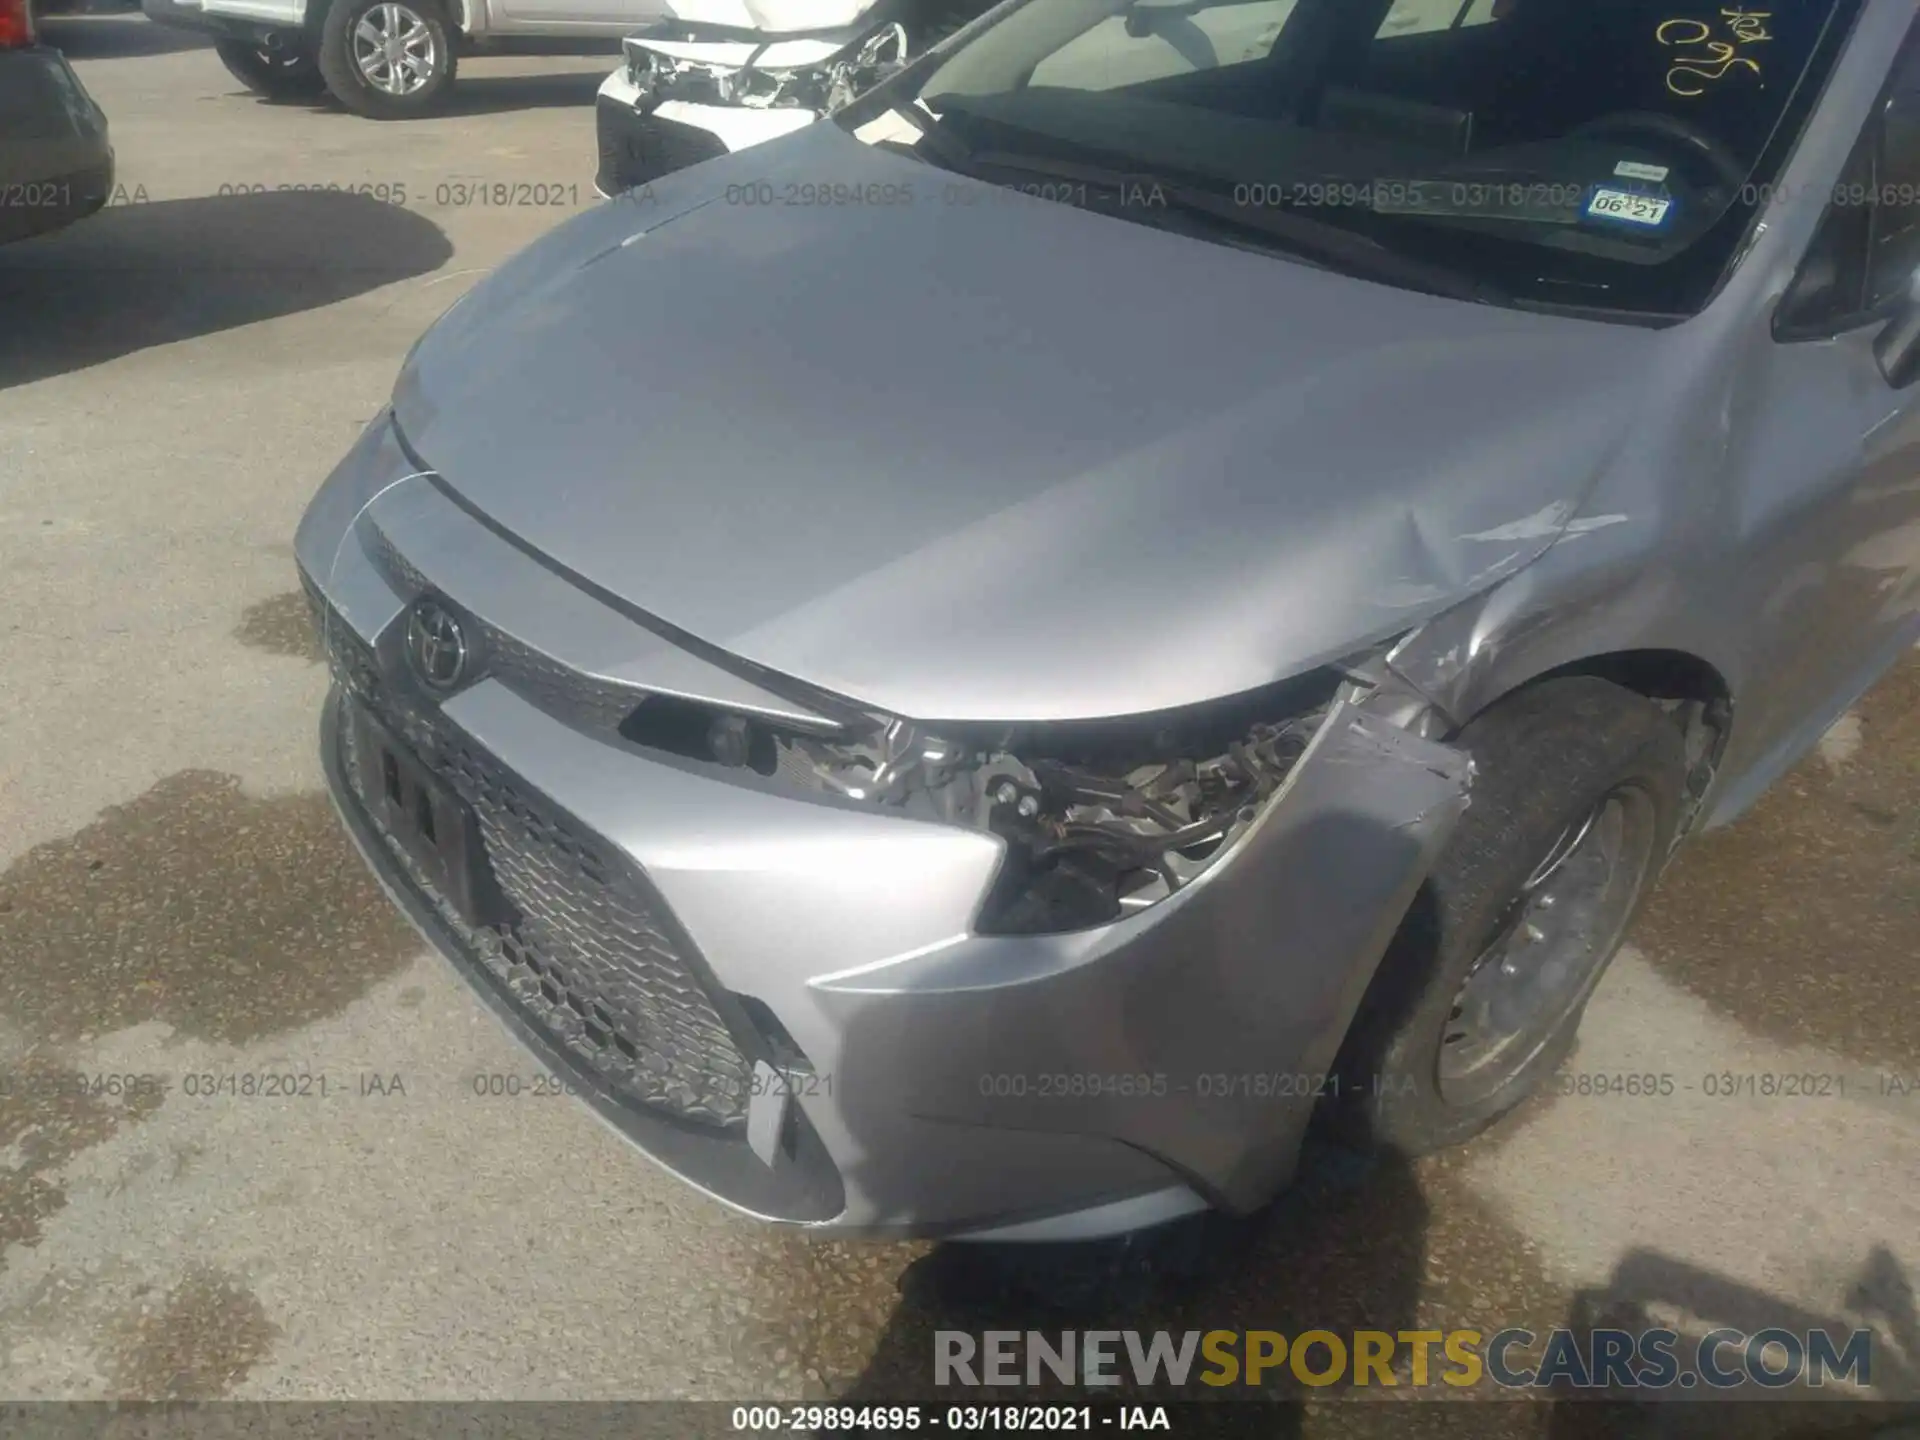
(933, 1080)
(56, 165)
(640, 143)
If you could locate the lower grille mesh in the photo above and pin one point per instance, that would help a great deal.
(583, 953)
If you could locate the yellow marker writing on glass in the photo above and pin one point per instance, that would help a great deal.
(1691, 74)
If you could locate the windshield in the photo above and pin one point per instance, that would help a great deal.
(1588, 154)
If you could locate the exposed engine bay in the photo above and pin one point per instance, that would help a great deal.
(1099, 818)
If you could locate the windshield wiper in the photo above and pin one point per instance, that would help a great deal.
(1334, 246)
(941, 147)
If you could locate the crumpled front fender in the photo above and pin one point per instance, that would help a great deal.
(1201, 1030)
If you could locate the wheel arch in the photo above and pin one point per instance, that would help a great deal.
(313, 21)
(1578, 612)
(460, 12)
(1548, 759)
(1691, 688)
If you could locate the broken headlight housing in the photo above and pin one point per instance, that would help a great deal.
(822, 86)
(1100, 818)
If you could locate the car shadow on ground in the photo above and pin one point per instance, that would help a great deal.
(1648, 1290)
(472, 95)
(1342, 1249)
(545, 45)
(115, 36)
(145, 274)
(491, 94)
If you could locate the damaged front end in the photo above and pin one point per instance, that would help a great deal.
(674, 62)
(691, 91)
(1100, 819)
(920, 918)
(1206, 1026)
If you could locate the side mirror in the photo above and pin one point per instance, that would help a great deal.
(1897, 347)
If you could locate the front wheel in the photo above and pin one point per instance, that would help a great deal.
(275, 72)
(388, 59)
(1576, 799)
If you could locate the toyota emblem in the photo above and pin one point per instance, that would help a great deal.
(436, 645)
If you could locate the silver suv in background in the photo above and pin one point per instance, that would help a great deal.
(970, 668)
(386, 59)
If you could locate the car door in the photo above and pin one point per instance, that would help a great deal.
(1829, 494)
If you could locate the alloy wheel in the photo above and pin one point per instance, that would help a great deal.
(395, 50)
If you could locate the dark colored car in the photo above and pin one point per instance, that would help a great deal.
(56, 165)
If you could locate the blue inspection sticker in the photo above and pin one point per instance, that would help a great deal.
(1634, 208)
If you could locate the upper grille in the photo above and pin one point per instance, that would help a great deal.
(583, 701)
(583, 950)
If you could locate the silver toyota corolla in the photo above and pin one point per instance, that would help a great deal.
(1177, 568)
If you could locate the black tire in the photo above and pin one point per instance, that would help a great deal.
(361, 90)
(277, 74)
(1546, 757)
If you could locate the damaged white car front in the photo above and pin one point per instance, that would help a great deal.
(726, 75)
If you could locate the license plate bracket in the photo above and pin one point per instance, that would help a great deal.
(424, 817)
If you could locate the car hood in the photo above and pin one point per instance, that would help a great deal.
(965, 454)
